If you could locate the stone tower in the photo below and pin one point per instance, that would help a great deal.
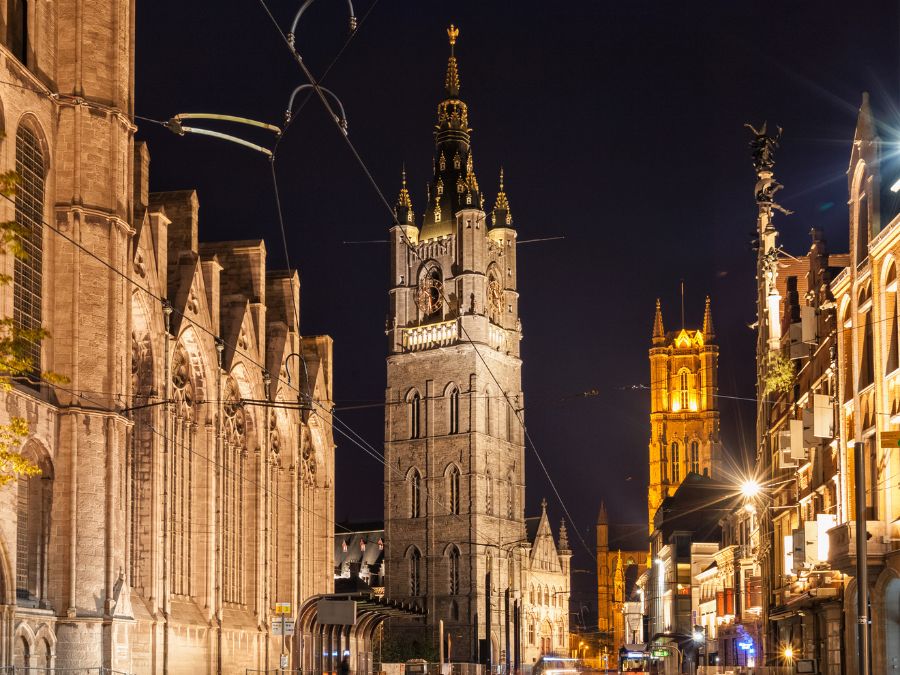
(684, 415)
(454, 475)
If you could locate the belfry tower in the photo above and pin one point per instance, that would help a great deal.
(454, 448)
(684, 414)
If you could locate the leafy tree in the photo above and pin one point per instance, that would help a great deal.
(398, 648)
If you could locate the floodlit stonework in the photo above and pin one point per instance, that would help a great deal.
(454, 472)
(175, 506)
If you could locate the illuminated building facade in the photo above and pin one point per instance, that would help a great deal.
(454, 444)
(171, 513)
(684, 414)
(621, 560)
(867, 367)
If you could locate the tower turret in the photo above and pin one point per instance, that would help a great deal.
(403, 209)
(502, 216)
(659, 333)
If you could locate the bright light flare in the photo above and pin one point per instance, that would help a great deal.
(788, 653)
(896, 186)
(698, 636)
(750, 488)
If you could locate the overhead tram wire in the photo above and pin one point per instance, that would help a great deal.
(386, 203)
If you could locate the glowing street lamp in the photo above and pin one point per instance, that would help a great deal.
(750, 488)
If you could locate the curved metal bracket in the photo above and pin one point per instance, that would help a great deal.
(342, 120)
(303, 8)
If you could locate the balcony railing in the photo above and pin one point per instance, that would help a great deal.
(433, 335)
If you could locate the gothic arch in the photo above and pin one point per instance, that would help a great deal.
(30, 121)
(860, 210)
(23, 641)
(885, 603)
(199, 367)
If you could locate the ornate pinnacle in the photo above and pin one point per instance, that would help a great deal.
(708, 330)
(451, 82)
(404, 209)
(659, 332)
(563, 536)
(502, 214)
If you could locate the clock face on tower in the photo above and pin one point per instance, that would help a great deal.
(429, 296)
(495, 297)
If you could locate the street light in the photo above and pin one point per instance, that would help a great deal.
(750, 488)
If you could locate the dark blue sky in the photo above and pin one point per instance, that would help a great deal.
(620, 126)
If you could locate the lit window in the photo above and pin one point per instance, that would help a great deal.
(695, 457)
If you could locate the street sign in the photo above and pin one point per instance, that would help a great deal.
(660, 653)
(284, 661)
(890, 439)
(282, 627)
(282, 608)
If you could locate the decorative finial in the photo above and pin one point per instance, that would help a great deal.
(544, 504)
(659, 332)
(708, 330)
(404, 208)
(451, 82)
(502, 213)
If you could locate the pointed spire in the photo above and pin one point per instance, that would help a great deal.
(502, 214)
(602, 518)
(708, 331)
(404, 209)
(563, 537)
(659, 333)
(451, 82)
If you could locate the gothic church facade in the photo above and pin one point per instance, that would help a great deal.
(175, 505)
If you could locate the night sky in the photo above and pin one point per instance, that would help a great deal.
(620, 127)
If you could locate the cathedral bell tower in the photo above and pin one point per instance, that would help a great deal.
(454, 475)
(684, 414)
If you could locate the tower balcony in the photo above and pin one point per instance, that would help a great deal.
(427, 337)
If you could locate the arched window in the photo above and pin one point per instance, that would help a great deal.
(454, 610)
(233, 494)
(546, 596)
(453, 489)
(183, 428)
(453, 560)
(866, 352)
(531, 595)
(430, 294)
(489, 494)
(892, 351)
(414, 405)
(415, 497)
(846, 333)
(684, 388)
(488, 412)
(531, 632)
(862, 226)
(415, 572)
(676, 463)
(28, 269)
(695, 457)
(33, 509)
(454, 411)
(510, 496)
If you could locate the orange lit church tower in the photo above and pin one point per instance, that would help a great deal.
(684, 416)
